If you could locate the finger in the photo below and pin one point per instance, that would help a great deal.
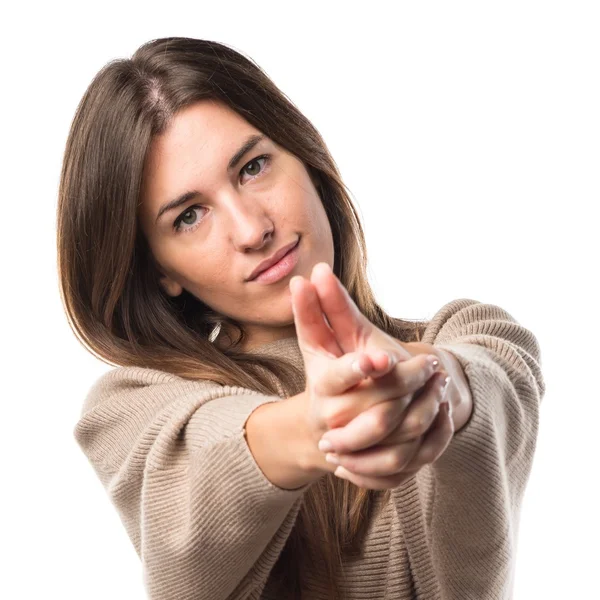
(420, 414)
(394, 421)
(311, 329)
(366, 429)
(436, 440)
(407, 376)
(412, 374)
(378, 461)
(342, 374)
(313, 332)
(346, 320)
(376, 422)
(383, 362)
(432, 447)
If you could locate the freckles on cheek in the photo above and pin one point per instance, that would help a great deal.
(220, 273)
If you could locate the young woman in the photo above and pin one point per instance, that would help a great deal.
(208, 249)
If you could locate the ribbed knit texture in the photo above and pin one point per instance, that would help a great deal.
(208, 525)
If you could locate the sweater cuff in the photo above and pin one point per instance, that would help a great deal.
(487, 385)
(230, 414)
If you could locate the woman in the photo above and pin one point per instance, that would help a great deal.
(186, 173)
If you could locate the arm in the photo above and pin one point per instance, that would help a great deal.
(282, 445)
(470, 498)
(172, 456)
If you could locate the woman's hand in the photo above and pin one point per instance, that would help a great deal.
(388, 441)
(363, 454)
(338, 386)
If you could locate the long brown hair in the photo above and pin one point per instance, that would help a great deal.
(109, 282)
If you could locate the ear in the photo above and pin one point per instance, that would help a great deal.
(172, 288)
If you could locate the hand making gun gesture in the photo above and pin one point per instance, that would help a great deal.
(387, 419)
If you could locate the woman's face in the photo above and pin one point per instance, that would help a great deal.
(238, 216)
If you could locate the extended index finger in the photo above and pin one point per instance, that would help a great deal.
(311, 329)
(346, 320)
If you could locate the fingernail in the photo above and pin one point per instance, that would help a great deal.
(325, 446)
(323, 265)
(294, 281)
(433, 361)
(341, 473)
(445, 383)
(332, 458)
(356, 368)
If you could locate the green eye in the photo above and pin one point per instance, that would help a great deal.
(255, 161)
(249, 165)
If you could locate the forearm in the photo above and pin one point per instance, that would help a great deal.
(281, 443)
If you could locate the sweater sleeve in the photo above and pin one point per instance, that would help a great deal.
(172, 455)
(468, 502)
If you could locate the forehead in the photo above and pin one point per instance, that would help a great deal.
(197, 133)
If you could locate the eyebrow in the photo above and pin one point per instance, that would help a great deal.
(250, 142)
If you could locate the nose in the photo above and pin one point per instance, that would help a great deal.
(250, 225)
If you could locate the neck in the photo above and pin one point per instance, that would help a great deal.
(255, 338)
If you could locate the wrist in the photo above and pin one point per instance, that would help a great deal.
(310, 459)
(279, 445)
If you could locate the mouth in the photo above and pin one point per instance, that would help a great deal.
(278, 266)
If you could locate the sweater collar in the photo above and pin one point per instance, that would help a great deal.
(278, 346)
(287, 349)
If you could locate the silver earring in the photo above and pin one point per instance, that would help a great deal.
(215, 332)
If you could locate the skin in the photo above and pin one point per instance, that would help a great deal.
(243, 217)
(387, 441)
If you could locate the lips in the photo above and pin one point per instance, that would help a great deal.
(269, 262)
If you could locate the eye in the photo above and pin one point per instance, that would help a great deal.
(255, 161)
(177, 222)
(190, 210)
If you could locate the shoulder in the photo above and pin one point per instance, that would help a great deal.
(465, 316)
(120, 383)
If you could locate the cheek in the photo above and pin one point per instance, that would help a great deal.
(319, 222)
(209, 271)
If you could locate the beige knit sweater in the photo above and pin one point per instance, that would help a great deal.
(208, 525)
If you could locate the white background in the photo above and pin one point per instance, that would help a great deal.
(469, 135)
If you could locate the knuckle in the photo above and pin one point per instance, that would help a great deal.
(335, 414)
(422, 369)
(329, 416)
(396, 461)
(404, 374)
(415, 424)
(379, 424)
